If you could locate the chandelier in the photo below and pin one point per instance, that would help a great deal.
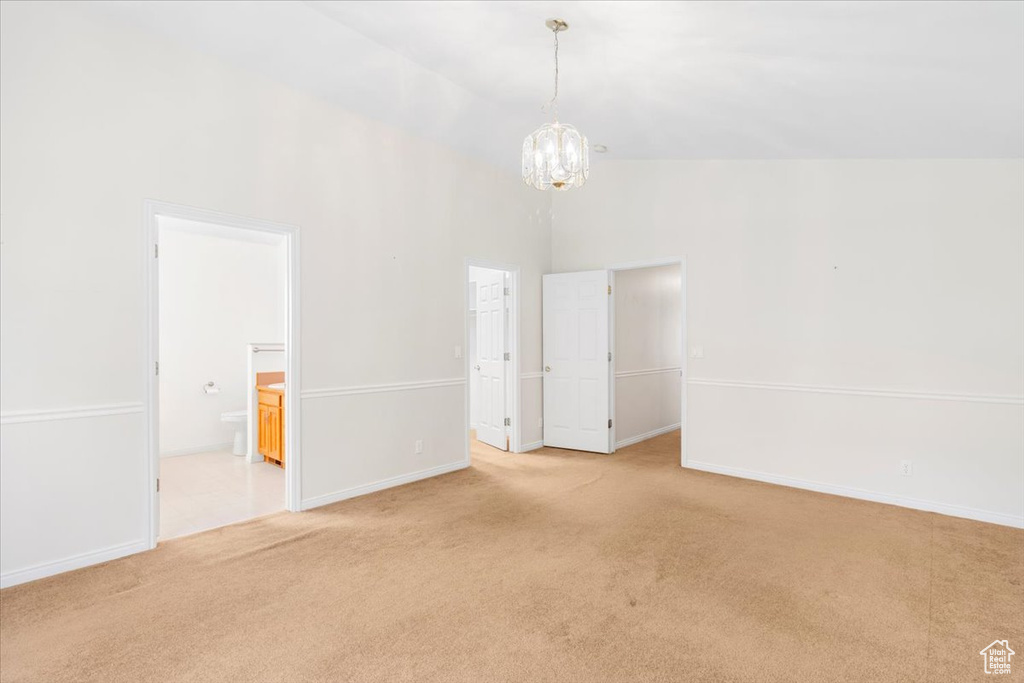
(556, 155)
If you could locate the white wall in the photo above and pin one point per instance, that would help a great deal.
(96, 118)
(648, 346)
(852, 314)
(217, 295)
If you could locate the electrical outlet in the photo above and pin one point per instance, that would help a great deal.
(906, 467)
(540, 423)
(419, 446)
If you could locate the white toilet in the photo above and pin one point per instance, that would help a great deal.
(240, 419)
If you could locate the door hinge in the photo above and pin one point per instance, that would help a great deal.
(508, 421)
(157, 364)
(609, 356)
(158, 484)
(508, 356)
(507, 292)
(609, 423)
(609, 289)
(156, 251)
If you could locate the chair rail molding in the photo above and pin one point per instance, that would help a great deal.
(649, 371)
(383, 388)
(859, 391)
(73, 413)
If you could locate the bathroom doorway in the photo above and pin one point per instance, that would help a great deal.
(222, 406)
(491, 352)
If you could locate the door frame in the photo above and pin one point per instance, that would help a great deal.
(512, 380)
(152, 210)
(683, 356)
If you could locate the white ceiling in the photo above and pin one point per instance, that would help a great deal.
(651, 80)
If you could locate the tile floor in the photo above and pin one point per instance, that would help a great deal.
(208, 490)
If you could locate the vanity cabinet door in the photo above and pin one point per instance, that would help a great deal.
(280, 436)
(264, 431)
(274, 433)
(271, 426)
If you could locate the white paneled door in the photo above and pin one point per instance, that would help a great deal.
(490, 340)
(577, 364)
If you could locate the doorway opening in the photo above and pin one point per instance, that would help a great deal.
(614, 345)
(647, 352)
(492, 357)
(222, 360)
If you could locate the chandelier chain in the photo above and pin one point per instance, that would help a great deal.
(553, 102)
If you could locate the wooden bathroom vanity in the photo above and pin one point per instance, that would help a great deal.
(270, 391)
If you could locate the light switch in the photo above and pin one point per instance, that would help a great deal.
(458, 352)
(696, 352)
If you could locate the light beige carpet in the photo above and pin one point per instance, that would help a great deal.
(549, 566)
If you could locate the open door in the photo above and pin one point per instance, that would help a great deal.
(577, 361)
(490, 340)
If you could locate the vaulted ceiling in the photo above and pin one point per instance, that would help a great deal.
(651, 80)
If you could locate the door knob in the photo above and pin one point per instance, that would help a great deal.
(547, 368)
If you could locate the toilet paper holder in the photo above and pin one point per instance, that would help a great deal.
(211, 388)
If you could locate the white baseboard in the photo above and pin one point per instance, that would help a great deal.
(227, 446)
(328, 498)
(862, 494)
(646, 435)
(531, 446)
(41, 571)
